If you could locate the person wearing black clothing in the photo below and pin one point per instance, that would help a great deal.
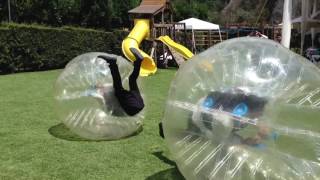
(131, 100)
(239, 105)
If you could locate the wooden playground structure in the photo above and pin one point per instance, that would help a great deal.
(160, 14)
(203, 39)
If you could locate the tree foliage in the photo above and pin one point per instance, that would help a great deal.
(106, 14)
(87, 13)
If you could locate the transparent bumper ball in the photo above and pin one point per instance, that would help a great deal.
(246, 108)
(86, 102)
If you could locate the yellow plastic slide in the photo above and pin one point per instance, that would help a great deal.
(185, 52)
(140, 32)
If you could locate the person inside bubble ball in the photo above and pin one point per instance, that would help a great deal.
(243, 110)
(130, 100)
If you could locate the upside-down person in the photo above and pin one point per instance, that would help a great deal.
(130, 100)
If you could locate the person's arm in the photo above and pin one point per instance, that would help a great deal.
(262, 134)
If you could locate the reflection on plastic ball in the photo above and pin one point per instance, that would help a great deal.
(247, 108)
(86, 101)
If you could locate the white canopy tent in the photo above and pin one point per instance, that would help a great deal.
(197, 24)
(308, 19)
(194, 24)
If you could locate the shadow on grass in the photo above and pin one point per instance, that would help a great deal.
(62, 132)
(172, 173)
(159, 155)
(167, 174)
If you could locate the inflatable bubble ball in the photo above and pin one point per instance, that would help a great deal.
(247, 108)
(86, 102)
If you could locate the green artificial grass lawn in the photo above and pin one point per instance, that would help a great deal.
(35, 145)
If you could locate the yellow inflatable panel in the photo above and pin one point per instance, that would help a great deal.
(185, 52)
(140, 32)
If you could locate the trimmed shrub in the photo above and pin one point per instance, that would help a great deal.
(35, 48)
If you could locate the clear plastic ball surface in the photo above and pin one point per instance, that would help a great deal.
(244, 109)
(86, 102)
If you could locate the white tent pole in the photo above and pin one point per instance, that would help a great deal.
(220, 34)
(314, 10)
(286, 25)
(313, 31)
(304, 12)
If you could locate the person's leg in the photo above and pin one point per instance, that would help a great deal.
(117, 83)
(136, 70)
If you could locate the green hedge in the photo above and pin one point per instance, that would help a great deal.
(35, 48)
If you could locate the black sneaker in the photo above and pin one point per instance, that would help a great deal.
(137, 54)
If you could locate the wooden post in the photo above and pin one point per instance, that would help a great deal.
(162, 17)
(273, 34)
(162, 33)
(154, 31)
